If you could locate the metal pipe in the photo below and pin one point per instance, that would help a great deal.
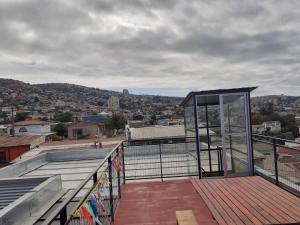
(275, 161)
(197, 137)
(63, 216)
(111, 200)
(208, 138)
(118, 175)
(123, 162)
(161, 171)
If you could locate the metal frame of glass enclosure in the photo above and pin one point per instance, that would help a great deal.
(223, 139)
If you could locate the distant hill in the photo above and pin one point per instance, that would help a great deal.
(70, 96)
(50, 93)
(279, 102)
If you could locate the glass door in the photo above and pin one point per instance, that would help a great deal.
(234, 113)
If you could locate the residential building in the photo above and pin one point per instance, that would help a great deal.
(273, 126)
(113, 103)
(83, 129)
(125, 92)
(170, 122)
(258, 129)
(95, 118)
(13, 147)
(3, 130)
(31, 127)
(136, 123)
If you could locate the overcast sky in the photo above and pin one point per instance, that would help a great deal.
(153, 46)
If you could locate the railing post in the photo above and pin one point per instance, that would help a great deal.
(161, 171)
(95, 178)
(111, 200)
(118, 174)
(63, 216)
(123, 162)
(275, 160)
(219, 163)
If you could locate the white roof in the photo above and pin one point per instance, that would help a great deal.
(154, 132)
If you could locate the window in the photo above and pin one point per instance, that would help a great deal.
(77, 132)
(22, 130)
(2, 157)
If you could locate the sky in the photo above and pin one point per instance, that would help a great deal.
(164, 47)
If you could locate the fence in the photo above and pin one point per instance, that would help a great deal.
(99, 203)
(161, 160)
(277, 160)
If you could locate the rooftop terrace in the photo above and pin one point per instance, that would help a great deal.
(223, 174)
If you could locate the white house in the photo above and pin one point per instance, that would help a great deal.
(31, 127)
(273, 126)
(258, 129)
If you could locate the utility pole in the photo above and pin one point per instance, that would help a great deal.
(12, 121)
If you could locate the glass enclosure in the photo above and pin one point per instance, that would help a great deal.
(223, 134)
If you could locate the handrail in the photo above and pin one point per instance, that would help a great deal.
(63, 206)
(280, 139)
(275, 143)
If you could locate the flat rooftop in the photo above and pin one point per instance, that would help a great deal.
(70, 167)
(225, 201)
(156, 202)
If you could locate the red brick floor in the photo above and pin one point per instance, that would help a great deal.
(155, 203)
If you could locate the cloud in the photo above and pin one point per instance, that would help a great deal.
(153, 44)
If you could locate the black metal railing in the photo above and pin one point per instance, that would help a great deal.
(277, 160)
(109, 176)
(164, 160)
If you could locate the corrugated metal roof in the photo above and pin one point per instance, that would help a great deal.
(9, 192)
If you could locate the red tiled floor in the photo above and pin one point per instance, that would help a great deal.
(155, 203)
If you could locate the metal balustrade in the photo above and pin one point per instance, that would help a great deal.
(278, 160)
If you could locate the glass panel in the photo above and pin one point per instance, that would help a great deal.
(234, 113)
(235, 135)
(190, 145)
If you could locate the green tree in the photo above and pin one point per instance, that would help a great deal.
(63, 117)
(60, 129)
(20, 117)
(153, 120)
(117, 122)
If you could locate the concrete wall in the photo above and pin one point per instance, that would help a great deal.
(33, 129)
(12, 153)
(89, 131)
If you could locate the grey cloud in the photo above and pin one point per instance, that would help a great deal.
(171, 43)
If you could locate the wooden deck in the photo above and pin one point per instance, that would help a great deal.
(248, 200)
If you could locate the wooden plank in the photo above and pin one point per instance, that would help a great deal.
(227, 215)
(214, 210)
(279, 200)
(235, 213)
(248, 200)
(278, 190)
(256, 216)
(274, 202)
(254, 201)
(243, 203)
(186, 217)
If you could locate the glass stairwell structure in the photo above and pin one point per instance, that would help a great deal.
(219, 122)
